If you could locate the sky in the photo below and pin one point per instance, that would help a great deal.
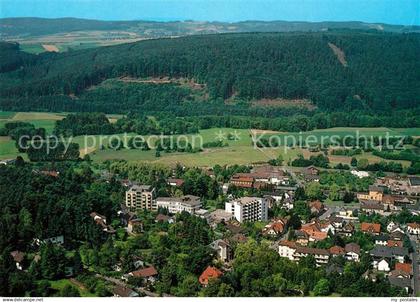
(405, 12)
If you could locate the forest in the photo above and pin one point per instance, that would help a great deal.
(379, 76)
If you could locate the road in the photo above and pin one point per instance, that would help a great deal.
(299, 182)
(139, 289)
(415, 258)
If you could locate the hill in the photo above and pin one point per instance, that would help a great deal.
(380, 73)
(39, 34)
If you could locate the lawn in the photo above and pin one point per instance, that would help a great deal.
(59, 284)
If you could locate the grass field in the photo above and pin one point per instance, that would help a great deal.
(59, 284)
(239, 151)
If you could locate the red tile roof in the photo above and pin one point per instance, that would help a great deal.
(392, 243)
(337, 250)
(405, 267)
(145, 272)
(209, 273)
(370, 227)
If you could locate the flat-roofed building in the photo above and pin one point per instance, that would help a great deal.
(187, 203)
(140, 197)
(248, 209)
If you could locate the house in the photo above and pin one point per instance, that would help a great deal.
(301, 238)
(413, 228)
(347, 230)
(392, 225)
(135, 226)
(399, 274)
(140, 197)
(390, 253)
(313, 230)
(372, 207)
(209, 273)
(187, 203)
(381, 239)
(219, 216)
(175, 182)
(375, 193)
(148, 273)
(394, 243)
(223, 249)
(321, 255)
(316, 207)
(401, 283)
(352, 252)
(164, 218)
(359, 174)
(337, 251)
(125, 292)
(246, 209)
(287, 249)
(405, 267)
(101, 221)
(18, 257)
(276, 228)
(371, 228)
(311, 174)
(242, 180)
(382, 265)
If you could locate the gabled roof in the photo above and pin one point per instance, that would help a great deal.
(145, 272)
(414, 225)
(405, 267)
(17, 256)
(209, 273)
(388, 252)
(370, 227)
(337, 250)
(397, 243)
(352, 248)
(290, 244)
(311, 251)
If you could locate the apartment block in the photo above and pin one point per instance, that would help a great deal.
(248, 209)
(140, 197)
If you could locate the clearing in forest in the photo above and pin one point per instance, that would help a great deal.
(50, 47)
(339, 54)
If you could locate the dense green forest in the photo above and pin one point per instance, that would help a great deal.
(380, 74)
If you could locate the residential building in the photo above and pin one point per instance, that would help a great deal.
(18, 257)
(147, 273)
(390, 253)
(372, 207)
(242, 180)
(101, 221)
(337, 251)
(209, 273)
(375, 193)
(223, 249)
(123, 291)
(321, 255)
(352, 252)
(175, 182)
(359, 174)
(248, 209)
(287, 249)
(140, 197)
(275, 228)
(187, 203)
(382, 265)
(413, 228)
(371, 228)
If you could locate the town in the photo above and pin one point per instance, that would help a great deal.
(295, 213)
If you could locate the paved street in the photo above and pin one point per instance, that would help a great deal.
(415, 258)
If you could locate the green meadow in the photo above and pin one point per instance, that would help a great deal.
(239, 149)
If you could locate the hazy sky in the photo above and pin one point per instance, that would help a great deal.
(386, 11)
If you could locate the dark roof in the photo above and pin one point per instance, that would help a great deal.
(388, 252)
(400, 282)
(312, 251)
(352, 247)
(376, 189)
(414, 180)
(382, 237)
(123, 291)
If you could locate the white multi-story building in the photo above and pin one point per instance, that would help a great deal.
(140, 197)
(187, 203)
(248, 209)
(287, 249)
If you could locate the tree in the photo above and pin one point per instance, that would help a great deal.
(313, 190)
(362, 163)
(189, 287)
(353, 162)
(334, 193)
(322, 288)
(69, 291)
